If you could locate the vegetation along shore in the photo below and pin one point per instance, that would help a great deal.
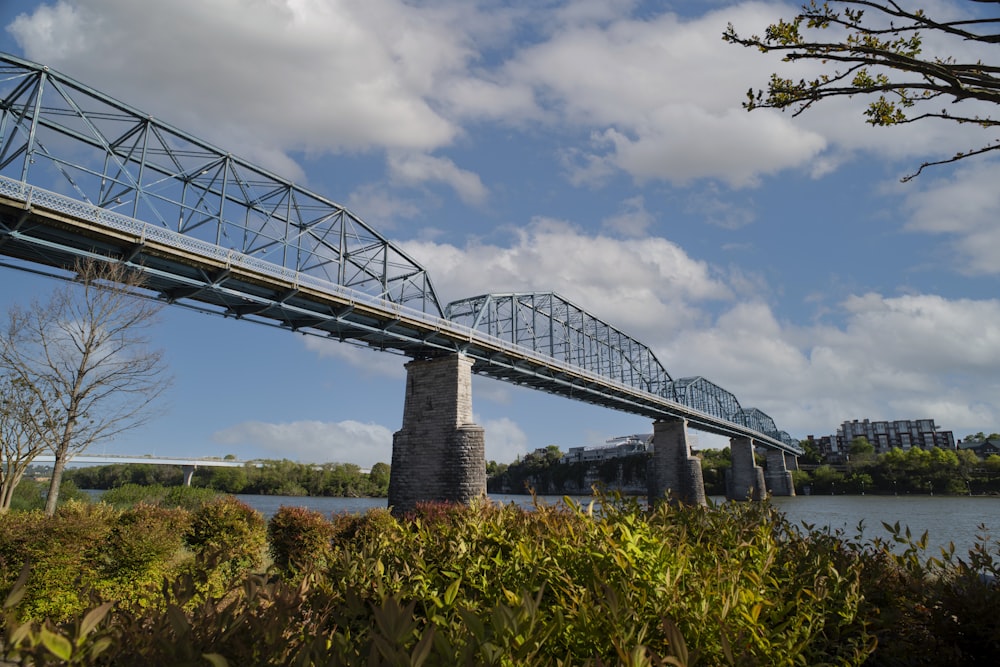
(192, 577)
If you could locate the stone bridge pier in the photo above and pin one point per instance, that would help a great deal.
(746, 479)
(779, 478)
(438, 454)
(674, 473)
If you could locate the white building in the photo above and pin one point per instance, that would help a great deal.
(625, 445)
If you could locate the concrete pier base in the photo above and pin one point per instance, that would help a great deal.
(438, 454)
(746, 481)
(188, 474)
(779, 479)
(674, 473)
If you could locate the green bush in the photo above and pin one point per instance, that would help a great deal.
(497, 585)
(299, 538)
(62, 551)
(186, 497)
(144, 545)
(228, 536)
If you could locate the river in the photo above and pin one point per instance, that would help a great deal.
(954, 519)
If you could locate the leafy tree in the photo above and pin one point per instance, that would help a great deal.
(83, 357)
(811, 455)
(876, 49)
(379, 476)
(860, 446)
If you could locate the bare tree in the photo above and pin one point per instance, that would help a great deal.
(84, 358)
(19, 442)
(876, 49)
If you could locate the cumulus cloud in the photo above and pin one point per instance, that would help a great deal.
(414, 169)
(881, 356)
(314, 441)
(663, 96)
(963, 208)
(892, 358)
(640, 285)
(312, 76)
(632, 219)
(659, 94)
(505, 441)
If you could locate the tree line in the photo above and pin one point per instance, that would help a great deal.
(914, 471)
(271, 478)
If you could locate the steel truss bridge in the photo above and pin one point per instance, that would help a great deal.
(83, 175)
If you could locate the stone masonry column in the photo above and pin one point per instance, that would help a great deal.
(779, 479)
(747, 478)
(674, 472)
(438, 454)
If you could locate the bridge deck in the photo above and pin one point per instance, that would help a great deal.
(45, 228)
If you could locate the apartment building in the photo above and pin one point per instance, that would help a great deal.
(885, 435)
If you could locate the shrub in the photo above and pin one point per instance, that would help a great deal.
(130, 495)
(62, 553)
(299, 538)
(227, 535)
(143, 546)
(496, 585)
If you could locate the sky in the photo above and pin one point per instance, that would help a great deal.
(594, 148)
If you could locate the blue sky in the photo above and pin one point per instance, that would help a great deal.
(594, 148)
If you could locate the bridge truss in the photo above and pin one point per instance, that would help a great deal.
(72, 139)
(550, 325)
(85, 176)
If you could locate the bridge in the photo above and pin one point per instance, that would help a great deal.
(84, 176)
(187, 465)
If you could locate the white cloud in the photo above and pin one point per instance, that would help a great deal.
(903, 357)
(311, 75)
(963, 207)
(505, 441)
(663, 95)
(642, 286)
(906, 357)
(632, 218)
(415, 169)
(314, 441)
(660, 94)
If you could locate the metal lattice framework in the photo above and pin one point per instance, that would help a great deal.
(63, 135)
(700, 394)
(551, 325)
(85, 176)
(548, 324)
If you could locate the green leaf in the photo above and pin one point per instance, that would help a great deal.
(90, 621)
(452, 592)
(56, 644)
(20, 588)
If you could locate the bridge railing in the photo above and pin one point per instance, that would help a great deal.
(144, 231)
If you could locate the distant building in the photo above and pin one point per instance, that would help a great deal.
(982, 448)
(824, 446)
(905, 434)
(625, 445)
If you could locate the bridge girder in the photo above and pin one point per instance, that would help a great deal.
(65, 136)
